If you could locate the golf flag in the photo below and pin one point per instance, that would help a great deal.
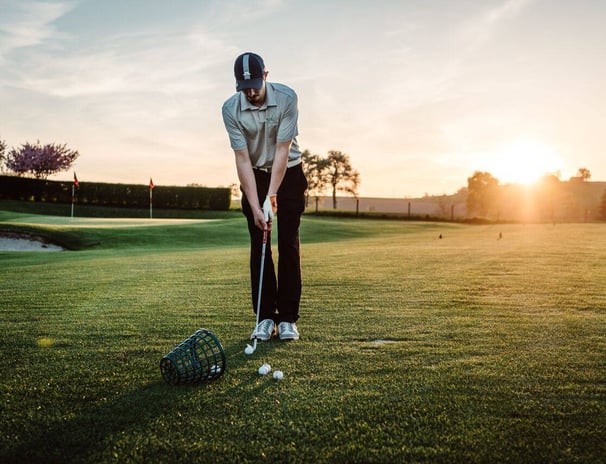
(74, 185)
(151, 187)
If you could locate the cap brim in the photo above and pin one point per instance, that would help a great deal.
(249, 84)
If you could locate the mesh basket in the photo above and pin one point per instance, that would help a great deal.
(200, 358)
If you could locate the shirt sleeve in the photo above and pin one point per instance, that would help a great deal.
(288, 129)
(236, 137)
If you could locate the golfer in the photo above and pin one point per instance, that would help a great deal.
(261, 121)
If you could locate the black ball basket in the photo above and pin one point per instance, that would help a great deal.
(198, 359)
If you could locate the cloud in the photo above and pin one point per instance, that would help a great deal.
(233, 13)
(482, 27)
(170, 59)
(26, 23)
(141, 92)
(506, 10)
(133, 64)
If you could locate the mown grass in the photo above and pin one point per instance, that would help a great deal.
(414, 348)
(62, 210)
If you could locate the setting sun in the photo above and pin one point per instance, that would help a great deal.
(523, 161)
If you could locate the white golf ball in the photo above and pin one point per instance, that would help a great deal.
(215, 369)
(264, 369)
(248, 349)
(278, 375)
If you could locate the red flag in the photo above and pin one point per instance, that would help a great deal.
(76, 183)
(151, 183)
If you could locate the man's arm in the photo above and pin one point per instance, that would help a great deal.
(279, 166)
(278, 170)
(249, 186)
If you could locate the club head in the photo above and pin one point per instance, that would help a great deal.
(251, 349)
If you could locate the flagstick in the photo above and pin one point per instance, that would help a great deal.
(150, 202)
(73, 193)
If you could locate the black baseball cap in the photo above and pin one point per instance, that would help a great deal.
(249, 70)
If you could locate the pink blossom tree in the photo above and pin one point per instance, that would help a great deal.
(40, 160)
(2, 149)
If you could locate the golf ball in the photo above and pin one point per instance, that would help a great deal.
(215, 369)
(278, 375)
(248, 349)
(264, 369)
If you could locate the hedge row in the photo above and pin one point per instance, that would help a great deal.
(117, 195)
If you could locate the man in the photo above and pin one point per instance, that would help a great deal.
(261, 121)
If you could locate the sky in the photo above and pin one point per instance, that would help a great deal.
(419, 93)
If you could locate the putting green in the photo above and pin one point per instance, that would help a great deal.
(101, 222)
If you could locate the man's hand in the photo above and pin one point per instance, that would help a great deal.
(270, 207)
(259, 218)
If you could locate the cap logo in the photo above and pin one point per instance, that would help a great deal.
(246, 66)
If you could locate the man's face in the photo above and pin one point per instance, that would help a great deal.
(256, 96)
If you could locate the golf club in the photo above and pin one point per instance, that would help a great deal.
(265, 230)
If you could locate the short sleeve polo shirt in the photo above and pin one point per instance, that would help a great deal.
(259, 129)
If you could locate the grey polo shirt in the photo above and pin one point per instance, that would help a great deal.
(259, 128)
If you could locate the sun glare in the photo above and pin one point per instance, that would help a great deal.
(523, 161)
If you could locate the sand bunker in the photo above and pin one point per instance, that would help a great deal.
(26, 244)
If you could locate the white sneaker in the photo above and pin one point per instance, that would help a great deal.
(288, 331)
(264, 331)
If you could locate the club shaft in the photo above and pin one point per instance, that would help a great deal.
(260, 282)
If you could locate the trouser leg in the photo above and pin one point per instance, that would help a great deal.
(270, 288)
(281, 295)
(291, 204)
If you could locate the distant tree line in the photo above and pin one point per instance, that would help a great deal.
(114, 195)
(549, 199)
(332, 173)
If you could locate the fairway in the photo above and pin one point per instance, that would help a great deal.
(485, 345)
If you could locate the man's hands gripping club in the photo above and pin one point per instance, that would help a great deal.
(270, 208)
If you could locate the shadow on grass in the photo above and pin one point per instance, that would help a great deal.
(102, 430)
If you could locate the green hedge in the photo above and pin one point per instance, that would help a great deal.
(120, 195)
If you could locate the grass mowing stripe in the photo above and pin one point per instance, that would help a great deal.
(413, 348)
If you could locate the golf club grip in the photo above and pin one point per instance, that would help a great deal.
(261, 280)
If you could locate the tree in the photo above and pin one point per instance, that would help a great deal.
(341, 175)
(40, 160)
(584, 174)
(603, 206)
(314, 168)
(2, 150)
(548, 194)
(482, 191)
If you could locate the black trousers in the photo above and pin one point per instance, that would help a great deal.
(281, 294)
